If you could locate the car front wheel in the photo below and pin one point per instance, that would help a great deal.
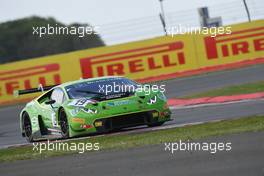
(64, 124)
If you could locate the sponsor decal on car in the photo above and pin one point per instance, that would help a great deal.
(78, 120)
(120, 103)
(81, 102)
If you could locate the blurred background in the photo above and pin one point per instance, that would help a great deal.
(119, 21)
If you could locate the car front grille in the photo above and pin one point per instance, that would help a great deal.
(124, 121)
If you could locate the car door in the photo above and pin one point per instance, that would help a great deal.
(51, 110)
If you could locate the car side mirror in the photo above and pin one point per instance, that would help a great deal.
(50, 102)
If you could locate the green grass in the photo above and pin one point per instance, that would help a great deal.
(124, 141)
(232, 90)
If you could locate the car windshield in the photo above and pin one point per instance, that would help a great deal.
(99, 88)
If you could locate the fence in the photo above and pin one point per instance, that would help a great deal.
(148, 27)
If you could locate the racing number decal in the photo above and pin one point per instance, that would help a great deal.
(81, 102)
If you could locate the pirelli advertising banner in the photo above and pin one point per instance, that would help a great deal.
(148, 60)
(246, 42)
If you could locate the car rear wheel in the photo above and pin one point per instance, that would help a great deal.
(27, 127)
(64, 124)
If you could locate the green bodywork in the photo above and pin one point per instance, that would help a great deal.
(86, 119)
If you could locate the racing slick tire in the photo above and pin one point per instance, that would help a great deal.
(27, 127)
(64, 124)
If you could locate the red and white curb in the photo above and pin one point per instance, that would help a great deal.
(213, 101)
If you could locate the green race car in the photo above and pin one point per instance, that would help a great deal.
(87, 106)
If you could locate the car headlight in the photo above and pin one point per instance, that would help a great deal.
(152, 100)
(162, 96)
(76, 110)
(90, 111)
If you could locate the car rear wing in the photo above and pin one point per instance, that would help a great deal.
(41, 88)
